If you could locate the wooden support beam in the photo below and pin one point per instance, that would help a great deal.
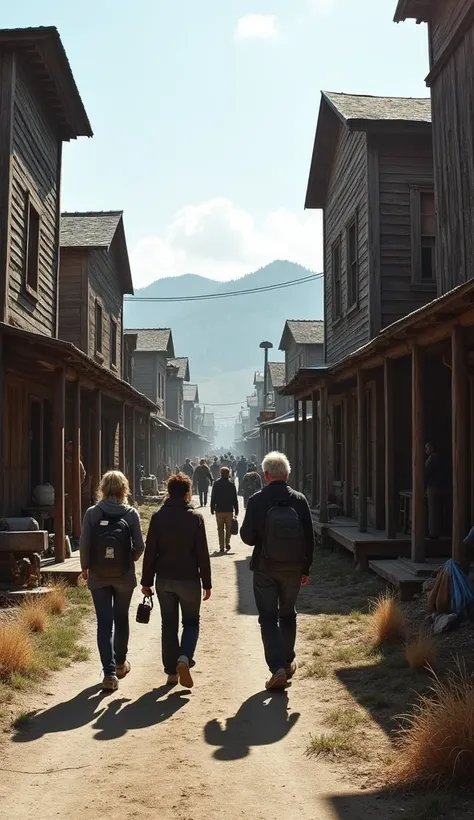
(379, 494)
(390, 489)
(304, 442)
(122, 437)
(362, 449)
(315, 448)
(460, 447)
(323, 455)
(147, 465)
(347, 422)
(59, 420)
(75, 503)
(296, 469)
(96, 443)
(133, 467)
(418, 455)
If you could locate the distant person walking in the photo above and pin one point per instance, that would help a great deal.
(187, 469)
(224, 503)
(278, 525)
(202, 481)
(215, 469)
(240, 470)
(177, 556)
(111, 541)
(251, 483)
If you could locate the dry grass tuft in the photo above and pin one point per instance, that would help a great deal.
(34, 615)
(336, 744)
(387, 620)
(56, 599)
(16, 650)
(437, 742)
(420, 652)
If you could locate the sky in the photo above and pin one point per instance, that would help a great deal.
(204, 116)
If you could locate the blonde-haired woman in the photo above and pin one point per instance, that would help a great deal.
(111, 541)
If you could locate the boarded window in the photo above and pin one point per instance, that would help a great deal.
(32, 246)
(98, 327)
(423, 236)
(352, 265)
(336, 281)
(113, 343)
(337, 442)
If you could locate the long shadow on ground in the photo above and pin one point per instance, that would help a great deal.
(64, 717)
(246, 600)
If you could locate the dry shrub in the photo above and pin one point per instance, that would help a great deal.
(387, 620)
(34, 615)
(420, 652)
(15, 650)
(437, 741)
(56, 598)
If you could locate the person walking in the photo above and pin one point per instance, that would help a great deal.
(111, 542)
(187, 469)
(240, 470)
(224, 503)
(251, 483)
(202, 480)
(215, 469)
(177, 556)
(278, 525)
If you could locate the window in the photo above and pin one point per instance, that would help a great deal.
(32, 246)
(352, 264)
(336, 281)
(423, 238)
(113, 343)
(337, 442)
(98, 327)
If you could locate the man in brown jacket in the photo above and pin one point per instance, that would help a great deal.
(177, 556)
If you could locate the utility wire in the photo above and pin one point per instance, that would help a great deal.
(230, 404)
(206, 296)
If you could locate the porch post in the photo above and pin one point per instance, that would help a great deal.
(347, 454)
(314, 458)
(96, 439)
(323, 455)
(418, 455)
(75, 503)
(390, 506)
(460, 446)
(362, 445)
(122, 436)
(147, 465)
(59, 415)
(304, 439)
(132, 478)
(297, 445)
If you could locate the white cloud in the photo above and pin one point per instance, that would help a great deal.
(219, 240)
(256, 27)
(321, 6)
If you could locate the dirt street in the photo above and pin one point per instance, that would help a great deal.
(227, 750)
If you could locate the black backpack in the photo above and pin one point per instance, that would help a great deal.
(284, 540)
(111, 546)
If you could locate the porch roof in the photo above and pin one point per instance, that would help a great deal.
(286, 418)
(179, 428)
(420, 10)
(62, 352)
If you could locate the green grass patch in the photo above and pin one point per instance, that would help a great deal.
(344, 718)
(334, 744)
(21, 720)
(316, 669)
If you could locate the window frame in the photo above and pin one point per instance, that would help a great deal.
(98, 351)
(336, 315)
(352, 298)
(113, 331)
(31, 287)
(416, 192)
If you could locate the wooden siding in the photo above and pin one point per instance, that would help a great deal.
(347, 194)
(145, 369)
(72, 307)
(448, 16)
(405, 161)
(35, 171)
(104, 287)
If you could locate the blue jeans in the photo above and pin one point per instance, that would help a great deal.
(112, 605)
(275, 593)
(172, 596)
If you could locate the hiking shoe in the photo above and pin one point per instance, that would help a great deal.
(172, 680)
(277, 681)
(290, 670)
(123, 669)
(110, 683)
(184, 674)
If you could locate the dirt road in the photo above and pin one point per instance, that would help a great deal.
(227, 750)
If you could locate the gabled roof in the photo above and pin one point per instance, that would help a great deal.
(153, 340)
(277, 374)
(358, 113)
(42, 51)
(182, 365)
(420, 10)
(191, 393)
(99, 230)
(303, 331)
(258, 378)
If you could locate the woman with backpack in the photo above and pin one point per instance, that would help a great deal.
(110, 544)
(251, 483)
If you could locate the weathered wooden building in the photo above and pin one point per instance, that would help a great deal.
(276, 380)
(191, 410)
(148, 350)
(177, 372)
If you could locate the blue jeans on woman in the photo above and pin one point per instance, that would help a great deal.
(174, 595)
(112, 606)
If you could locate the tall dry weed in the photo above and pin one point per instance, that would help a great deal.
(56, 598)
(34, 615)
(420, 652)
(387, 621)
(16, 650)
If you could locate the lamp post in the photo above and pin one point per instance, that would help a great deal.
(265, 346)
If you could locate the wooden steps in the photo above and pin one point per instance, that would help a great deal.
(68, 570)
(407, 577)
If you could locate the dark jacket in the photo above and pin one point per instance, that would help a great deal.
(215, 470)
(252, 531)
(176, 545)
(188, 470)
(251, 483)
(241, 468)
(434, 472)
(202, 476)
(224, 497)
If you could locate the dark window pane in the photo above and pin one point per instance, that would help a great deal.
(98, 328)
(427, 260)
(32, 247)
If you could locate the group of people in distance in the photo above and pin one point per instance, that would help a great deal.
(176, 563)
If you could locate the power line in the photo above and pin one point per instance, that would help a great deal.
(229, 404)
(206, 296)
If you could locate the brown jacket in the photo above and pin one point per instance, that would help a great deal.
(176, 545)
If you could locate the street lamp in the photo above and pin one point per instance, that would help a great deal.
(266, 346)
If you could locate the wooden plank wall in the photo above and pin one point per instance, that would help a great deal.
(71, 303)
(145, 370)
(448, 16)
(104, 285)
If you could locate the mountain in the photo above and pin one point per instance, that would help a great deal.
(222, 336)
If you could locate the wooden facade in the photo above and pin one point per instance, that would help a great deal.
(148, 357)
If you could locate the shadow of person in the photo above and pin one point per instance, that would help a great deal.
(262, 720)
(64, 717)
(152, 708)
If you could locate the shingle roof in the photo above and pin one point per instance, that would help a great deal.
(182, 363)
(277, 374)
(89, 229)
(357, 107)
(152, 340)
(190, 392)
(304, 332)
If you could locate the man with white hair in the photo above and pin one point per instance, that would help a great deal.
(278, 525)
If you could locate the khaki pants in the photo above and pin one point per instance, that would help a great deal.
(224, 522)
